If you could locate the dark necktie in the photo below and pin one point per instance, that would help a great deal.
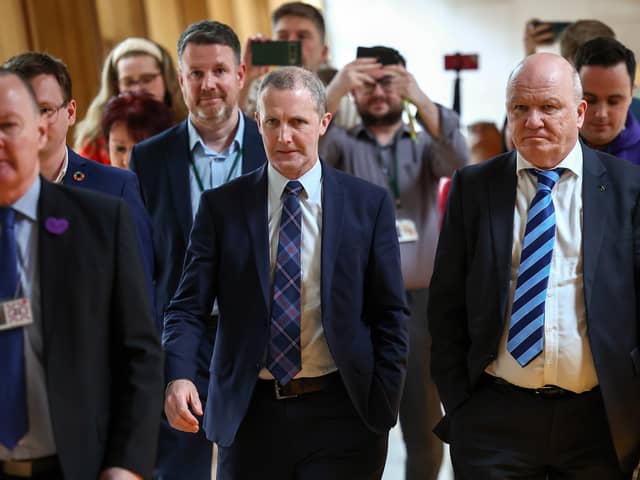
(526, 328)
(284, 360)
(13, 405)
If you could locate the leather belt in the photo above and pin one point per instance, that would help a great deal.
(30, 468)
(546, 392)
(301, 386)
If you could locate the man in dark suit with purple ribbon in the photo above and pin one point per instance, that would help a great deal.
(82, 380)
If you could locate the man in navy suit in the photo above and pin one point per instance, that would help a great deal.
(215, 144)
(312, 340)
(51, 82)
(534, 299)
(82, 380)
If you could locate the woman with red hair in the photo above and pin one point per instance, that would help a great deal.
(130, 118)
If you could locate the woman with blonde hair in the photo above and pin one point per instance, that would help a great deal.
(134, 64)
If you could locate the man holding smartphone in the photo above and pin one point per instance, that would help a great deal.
(386, 151)
(296, 22)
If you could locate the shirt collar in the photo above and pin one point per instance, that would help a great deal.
(310, 181)
(195, 139)
(63, 168)
(573, 161)
(27, 205)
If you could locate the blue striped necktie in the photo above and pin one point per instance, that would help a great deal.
(13, 398)
(284, 358)
(526, 328)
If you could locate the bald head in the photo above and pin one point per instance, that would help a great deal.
(545, 108)
(546, 64)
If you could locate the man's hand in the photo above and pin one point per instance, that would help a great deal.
(117, 473)
(407, 88)
(352, 75)
(406, 85)
(253, 72)
(536, 34)
(180, 395)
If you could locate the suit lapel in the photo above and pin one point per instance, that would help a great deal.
(177, 158)
(332, 216)
(502, 198)
(256, 202)
(51, 262)
(595, 203)
(253, 152)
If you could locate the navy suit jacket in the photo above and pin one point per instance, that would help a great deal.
(162, 164)
(101, 354)
(469, 292)
(85, 173)
(363, 305)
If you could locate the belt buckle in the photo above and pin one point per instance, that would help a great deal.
(279, 394)
(550, 391)
(18, 468)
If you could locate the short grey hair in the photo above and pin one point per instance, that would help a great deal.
(292, 78)
(577, 83)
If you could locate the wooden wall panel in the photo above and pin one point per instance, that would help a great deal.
(220, 11)
(82, 32)
(119, 19)
(165, 22)
(14, 34)
(69, 29)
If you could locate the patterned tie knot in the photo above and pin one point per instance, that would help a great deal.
(7, 217)
(293, 187)
(547, 178)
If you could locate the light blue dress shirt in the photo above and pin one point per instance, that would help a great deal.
(38, 442)
(214, 168)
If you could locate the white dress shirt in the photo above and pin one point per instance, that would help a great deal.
(316, 358)
(566, 360)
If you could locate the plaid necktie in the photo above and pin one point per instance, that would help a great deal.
(526, 329)
(284, 360)
(13, 403)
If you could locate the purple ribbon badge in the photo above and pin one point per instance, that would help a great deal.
(57, 226)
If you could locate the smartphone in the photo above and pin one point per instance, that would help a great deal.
(279, 53)
(385, 56)
(556, 27)
(459, 61)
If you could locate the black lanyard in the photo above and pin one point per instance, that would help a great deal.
(391, 172)
(233, 167)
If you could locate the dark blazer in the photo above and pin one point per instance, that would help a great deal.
(363, 305)
(85, 173)
(470, 287)
(162, 164)
(102, 358)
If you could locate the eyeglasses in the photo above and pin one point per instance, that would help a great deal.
(386, 83)
(51, 113)
(128, 83)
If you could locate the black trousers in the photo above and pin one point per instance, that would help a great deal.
(505, 433)
(316, 436)
(420, 404)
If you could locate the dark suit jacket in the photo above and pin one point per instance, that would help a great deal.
(85, 173)
(162, 164)
(102, 358)
(470, 287)
(363, 305)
